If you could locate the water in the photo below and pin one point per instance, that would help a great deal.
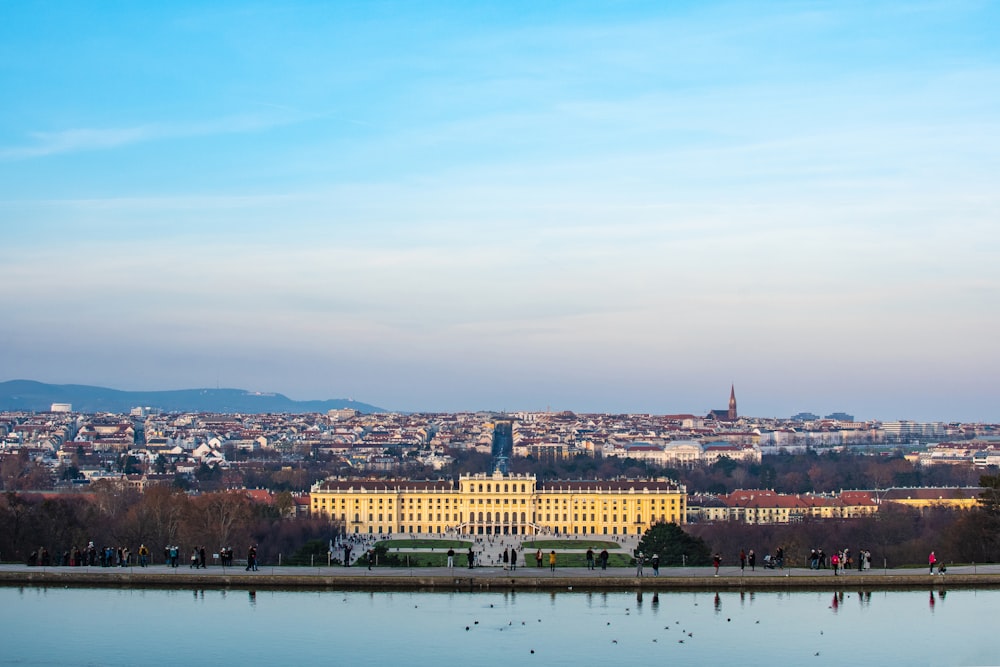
(55, 626)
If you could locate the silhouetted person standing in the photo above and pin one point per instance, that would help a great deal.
(251, 559)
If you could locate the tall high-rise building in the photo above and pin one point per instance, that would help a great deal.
(503, 445)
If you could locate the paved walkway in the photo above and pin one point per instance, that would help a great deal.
(490, 572)
(491, 577)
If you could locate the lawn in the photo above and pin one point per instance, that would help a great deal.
(418, 559)
(549, 545)
(579, 560)
(440, 559)
(426, 544)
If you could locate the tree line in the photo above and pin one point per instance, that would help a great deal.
(162, 516)
(897, 535)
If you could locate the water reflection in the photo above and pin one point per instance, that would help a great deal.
(571, 628)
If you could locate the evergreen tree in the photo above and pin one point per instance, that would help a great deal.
(674, 546)
(989, 499)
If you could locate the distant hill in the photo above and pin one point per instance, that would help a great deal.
(39, 397)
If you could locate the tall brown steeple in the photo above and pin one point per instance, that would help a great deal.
(732, 403)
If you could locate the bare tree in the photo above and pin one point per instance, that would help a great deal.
(156, 519)
(219, 518)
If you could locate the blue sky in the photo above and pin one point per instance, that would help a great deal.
(605, 207)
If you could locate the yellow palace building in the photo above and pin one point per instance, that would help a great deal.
(499, 504)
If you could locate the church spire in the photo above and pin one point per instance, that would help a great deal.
(732, 403)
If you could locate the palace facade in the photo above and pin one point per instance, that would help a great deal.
(499, 504)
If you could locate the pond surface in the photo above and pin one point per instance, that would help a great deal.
(63, 626)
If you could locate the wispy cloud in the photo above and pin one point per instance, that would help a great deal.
(75, 140)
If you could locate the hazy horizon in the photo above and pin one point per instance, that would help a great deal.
(596, 207)
(696, 413)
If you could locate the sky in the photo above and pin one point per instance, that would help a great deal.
(451, 206)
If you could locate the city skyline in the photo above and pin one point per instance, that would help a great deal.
(593, 207)
(43, 397)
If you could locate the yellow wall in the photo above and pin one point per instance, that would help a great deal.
(608, 512)
(498, 504)
(921, 503)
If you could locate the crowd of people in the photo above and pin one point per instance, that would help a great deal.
(841, 560)
(93, 556)
(89, 556)
(352, 546)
